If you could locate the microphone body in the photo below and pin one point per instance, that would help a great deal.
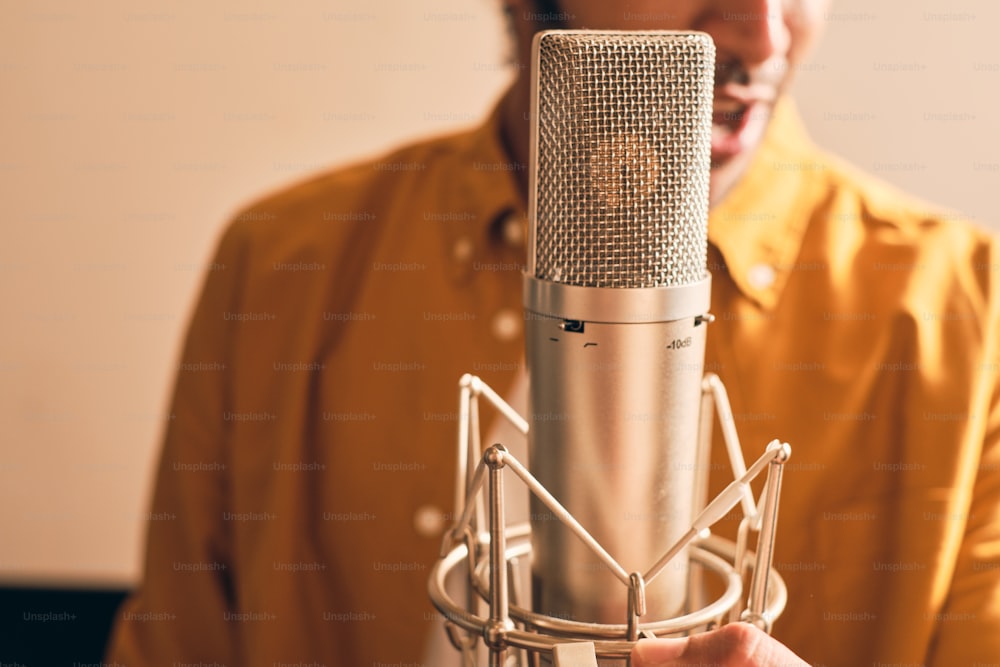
(615, 289)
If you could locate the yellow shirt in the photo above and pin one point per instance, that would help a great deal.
(307, 468)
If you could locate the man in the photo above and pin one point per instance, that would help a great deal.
(307, 468)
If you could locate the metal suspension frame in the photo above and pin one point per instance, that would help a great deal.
(491, 554)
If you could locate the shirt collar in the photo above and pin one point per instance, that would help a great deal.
(492, 188)
(758, 228)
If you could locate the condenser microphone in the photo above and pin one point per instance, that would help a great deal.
(616, 297)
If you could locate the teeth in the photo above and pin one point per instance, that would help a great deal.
(728, 106)
(720, 132)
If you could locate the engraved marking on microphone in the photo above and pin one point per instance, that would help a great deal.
(679, 343)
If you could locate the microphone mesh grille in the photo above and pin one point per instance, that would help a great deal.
(622, 165)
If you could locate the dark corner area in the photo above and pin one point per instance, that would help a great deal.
(52, 627)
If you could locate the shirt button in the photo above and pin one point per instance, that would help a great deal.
(513, 230)
(506, 325)
(428, 521)
(761, 276)
(462, 250)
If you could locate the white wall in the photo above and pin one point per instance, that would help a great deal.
(908, 89)
(130, 131)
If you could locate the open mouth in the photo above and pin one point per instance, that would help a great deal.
(729, 114)
(729, 119)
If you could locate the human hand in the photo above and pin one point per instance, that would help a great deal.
(733, 645)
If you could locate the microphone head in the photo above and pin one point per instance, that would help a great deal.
(622, 146)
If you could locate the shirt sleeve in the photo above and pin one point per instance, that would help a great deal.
(968, 626)
(179, 611)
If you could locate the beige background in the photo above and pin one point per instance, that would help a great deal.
(129, 132)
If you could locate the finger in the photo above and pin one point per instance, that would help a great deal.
(733, 645)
